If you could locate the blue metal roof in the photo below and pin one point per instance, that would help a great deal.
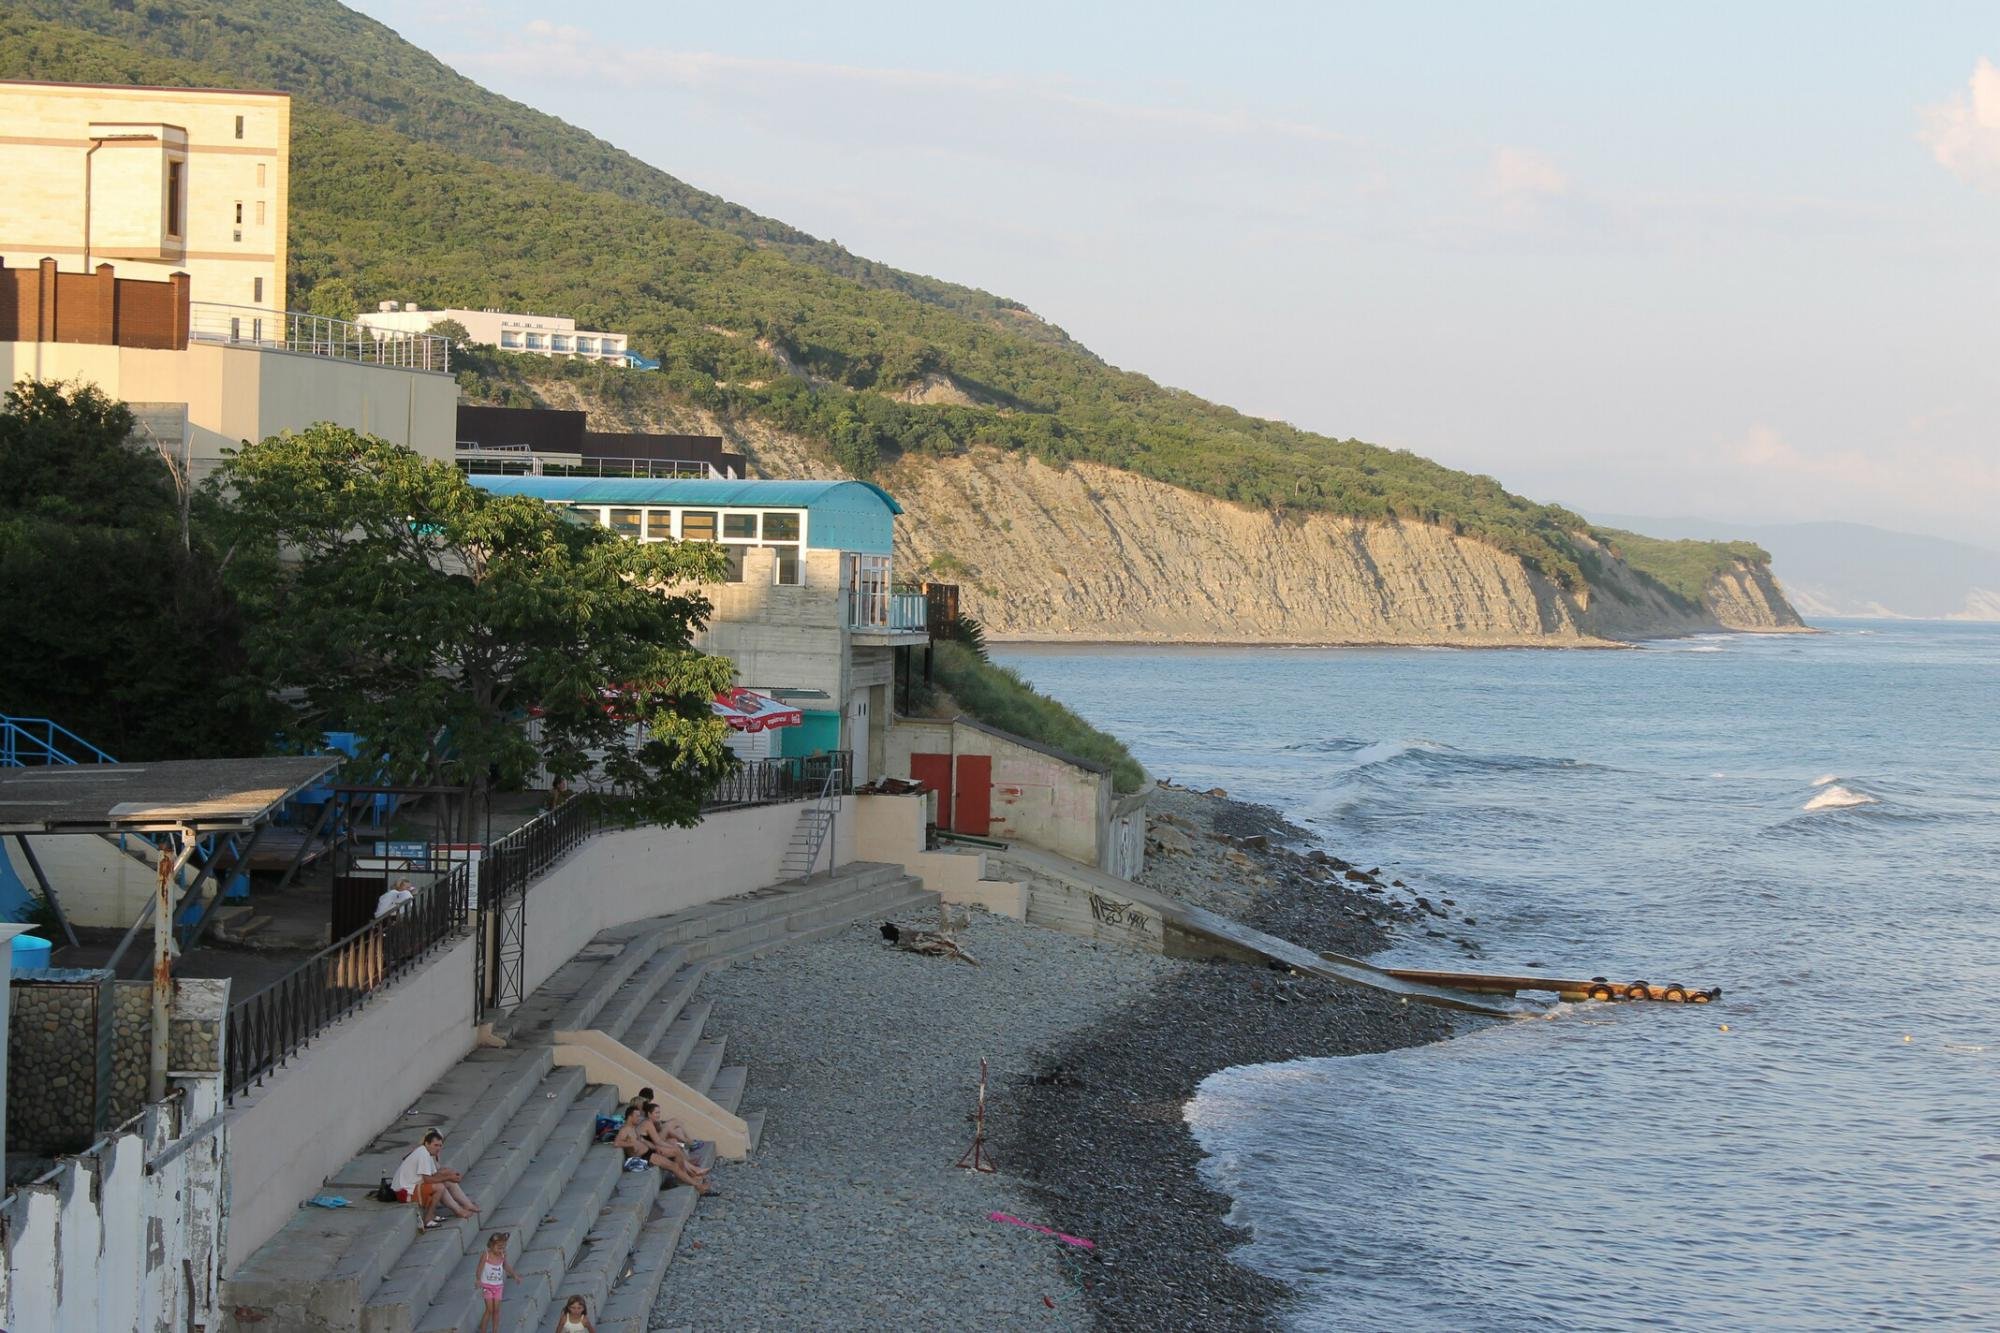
(841, 515)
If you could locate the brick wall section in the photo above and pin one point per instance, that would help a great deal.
(44, 305)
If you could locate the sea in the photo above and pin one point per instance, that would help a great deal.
(1810, 822)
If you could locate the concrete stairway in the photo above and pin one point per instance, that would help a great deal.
(522, 1131)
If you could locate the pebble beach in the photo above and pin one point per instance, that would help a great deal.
(865, 1058)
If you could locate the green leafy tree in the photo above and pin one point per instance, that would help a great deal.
(453, 332)
(333, 298)
(118, 624)
(391, 597)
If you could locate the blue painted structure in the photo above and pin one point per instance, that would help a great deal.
(854, 516)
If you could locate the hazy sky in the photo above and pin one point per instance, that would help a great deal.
(1731, 260)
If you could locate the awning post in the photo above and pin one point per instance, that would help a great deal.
(163, 961)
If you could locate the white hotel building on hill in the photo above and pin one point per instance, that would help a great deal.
(545, 335)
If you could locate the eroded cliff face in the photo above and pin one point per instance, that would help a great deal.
(1087, 552)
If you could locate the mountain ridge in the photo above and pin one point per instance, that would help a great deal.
(880, 375)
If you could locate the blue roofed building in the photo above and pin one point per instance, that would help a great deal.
(809, 610)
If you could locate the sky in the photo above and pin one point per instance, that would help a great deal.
(1736, 261)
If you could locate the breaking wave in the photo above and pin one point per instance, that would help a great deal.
(1837, 797)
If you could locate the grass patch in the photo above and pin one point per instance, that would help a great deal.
(999, 697)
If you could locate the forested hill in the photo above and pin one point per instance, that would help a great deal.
(413, 183)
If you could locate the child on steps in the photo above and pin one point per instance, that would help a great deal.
(494, 1269)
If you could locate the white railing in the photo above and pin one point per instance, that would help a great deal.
(317, 335)
(887, 611)
(505, 461)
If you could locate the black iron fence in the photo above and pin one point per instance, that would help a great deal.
(269, 1027)
(774, 781)
(509, 864)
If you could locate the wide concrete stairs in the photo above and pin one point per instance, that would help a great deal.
(522, 1130)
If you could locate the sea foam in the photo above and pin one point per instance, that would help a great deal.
(1839, 798)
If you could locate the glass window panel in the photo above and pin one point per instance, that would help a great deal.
(789, 569)
(740, 526)
(697, 525)
(781, 527)
(625, 522)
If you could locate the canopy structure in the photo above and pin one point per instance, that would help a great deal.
(747, 710)
(201, 796)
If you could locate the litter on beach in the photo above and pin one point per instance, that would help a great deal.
(1012, 1221)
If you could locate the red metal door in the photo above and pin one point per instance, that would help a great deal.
(934, 771)
(973, 812)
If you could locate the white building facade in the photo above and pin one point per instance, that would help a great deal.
(544, 335)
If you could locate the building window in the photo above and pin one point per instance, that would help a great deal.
(781, 527)
(260, 212)
(239, 127)
(536, 342)
(789, 570)
(587, 346)
(510, 339)
(175, 171)
(697, 525)
(260, 175)
(734, 574)
(624, 522)
(558, 343)
(739, 527)
(239, 212)
(256, 291)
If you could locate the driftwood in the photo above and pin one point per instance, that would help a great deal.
(930, 943)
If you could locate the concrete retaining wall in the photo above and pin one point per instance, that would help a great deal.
(890, 829)
(627, 875)
(352, 1082)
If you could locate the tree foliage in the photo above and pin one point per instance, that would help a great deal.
(389, 596)
(118, 626)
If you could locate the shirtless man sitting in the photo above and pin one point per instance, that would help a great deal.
(641, 1150)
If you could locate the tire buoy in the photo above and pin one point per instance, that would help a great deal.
(1638, 990)
(1699, 997)
(1676, 993)
(1600, 990)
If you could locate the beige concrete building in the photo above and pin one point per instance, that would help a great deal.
(150, 180)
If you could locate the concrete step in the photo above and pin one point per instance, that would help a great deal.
(726, 1088)
(403, 1300)
(337, 1259)
(631, 1298)
(672, 1050)
(873, 909)
(559, 1240)
(630, 1003)
(703, 1065)
(774, 900)
(666, 1009)
(808, 915)
(580, 988)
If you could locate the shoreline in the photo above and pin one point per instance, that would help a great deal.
(1111, 1155)
(866, 1060)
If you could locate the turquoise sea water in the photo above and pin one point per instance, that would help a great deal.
(1812, 823)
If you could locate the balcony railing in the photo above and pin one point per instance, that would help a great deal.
(292, 331)
(882, 610)
(776, 781)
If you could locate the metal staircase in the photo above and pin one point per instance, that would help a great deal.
(816, 825)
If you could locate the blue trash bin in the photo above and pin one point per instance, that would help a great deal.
(30, 952)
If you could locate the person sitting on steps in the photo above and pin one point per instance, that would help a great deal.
(667, 1135)
(671, 1130)
(424, 1180)
(640, 1153)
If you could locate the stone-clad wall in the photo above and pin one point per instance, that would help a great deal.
(52, 1056)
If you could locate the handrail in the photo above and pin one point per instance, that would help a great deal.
(317, 335)
(44, 751)
(508, 864)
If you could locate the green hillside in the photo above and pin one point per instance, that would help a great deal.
(410, 182)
